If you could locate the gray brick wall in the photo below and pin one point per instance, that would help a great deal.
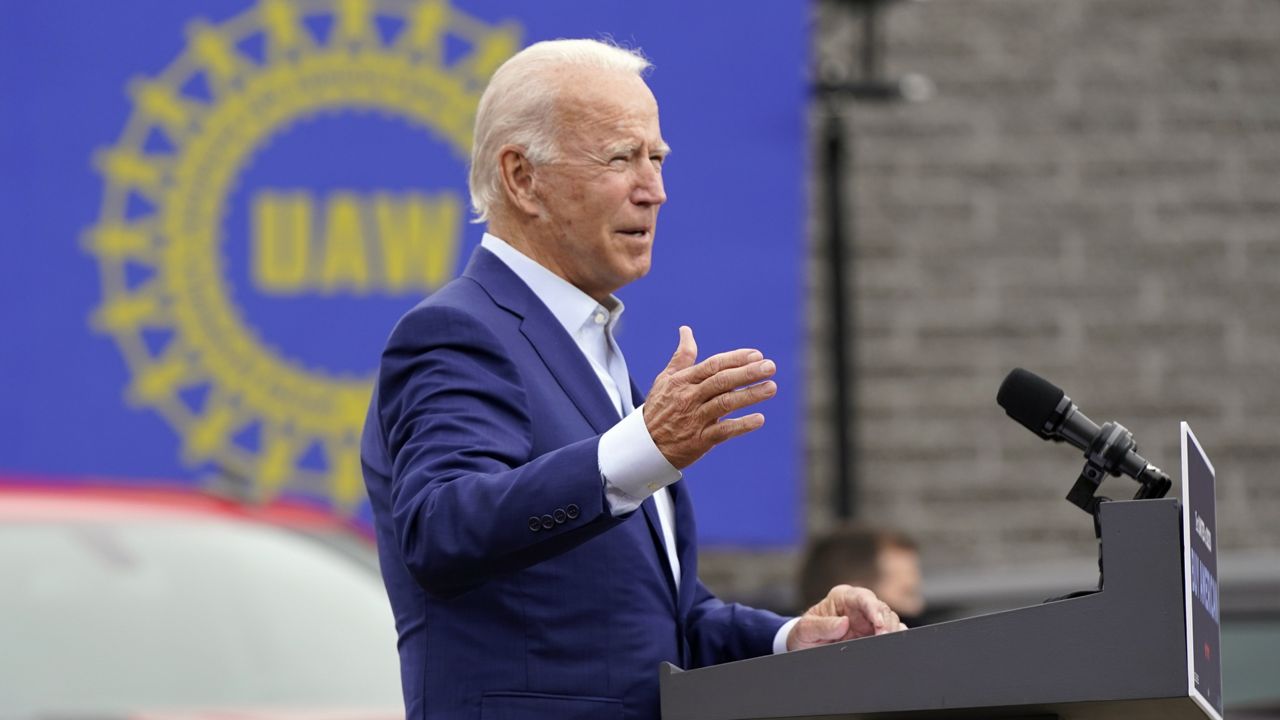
(1093, 194)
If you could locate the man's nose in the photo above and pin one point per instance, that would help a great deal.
(649, 189)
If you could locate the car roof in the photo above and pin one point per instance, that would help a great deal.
(28, 501)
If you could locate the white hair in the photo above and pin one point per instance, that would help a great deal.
(517, 108)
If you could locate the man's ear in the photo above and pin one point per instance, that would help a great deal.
(517, 180)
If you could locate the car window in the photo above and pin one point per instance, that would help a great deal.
(191, 614)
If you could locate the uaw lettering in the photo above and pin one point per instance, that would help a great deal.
(238, 209)
(349, 242)
(1204, 586)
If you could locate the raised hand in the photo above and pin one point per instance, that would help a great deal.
(686, 408)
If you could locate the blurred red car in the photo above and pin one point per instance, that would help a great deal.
(121, 603)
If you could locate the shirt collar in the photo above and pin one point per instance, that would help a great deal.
(570, 306)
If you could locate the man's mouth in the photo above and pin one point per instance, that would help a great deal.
(634, 232)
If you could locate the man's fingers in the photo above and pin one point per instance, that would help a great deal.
(868, 615)
(736, 377)
(868, 606)
(686, 353)
(876, 612)
(717, 433)
(891, 621)
(721, 361)
(726, 403)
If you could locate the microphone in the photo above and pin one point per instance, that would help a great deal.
(1044, 409)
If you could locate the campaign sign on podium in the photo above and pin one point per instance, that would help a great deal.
(1200, 572)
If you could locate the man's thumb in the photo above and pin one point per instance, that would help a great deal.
(814, 630)
(826, 628)
(686, 353)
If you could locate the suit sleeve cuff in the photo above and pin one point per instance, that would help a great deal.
(780, 640)
(631, 465)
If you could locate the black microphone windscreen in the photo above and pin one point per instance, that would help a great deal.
(1029, 399)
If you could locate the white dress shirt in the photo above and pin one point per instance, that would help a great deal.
(632, 467)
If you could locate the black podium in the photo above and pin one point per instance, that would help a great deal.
(1118, 653)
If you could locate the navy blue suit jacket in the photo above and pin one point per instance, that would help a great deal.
(516, 593)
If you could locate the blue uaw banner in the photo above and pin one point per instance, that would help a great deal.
(215, 211)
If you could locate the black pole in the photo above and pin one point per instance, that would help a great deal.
(872, 42)
(836, 150)
(838, 143)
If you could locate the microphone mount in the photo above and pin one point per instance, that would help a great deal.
(1103, 457)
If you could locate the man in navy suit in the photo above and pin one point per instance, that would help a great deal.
(537, 545)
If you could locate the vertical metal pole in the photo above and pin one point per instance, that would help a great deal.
(838, 144)
(835, 146)
(872, 41)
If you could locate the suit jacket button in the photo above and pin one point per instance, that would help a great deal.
(548, 522)
(572, 511)
(535, 524)
(560, 515)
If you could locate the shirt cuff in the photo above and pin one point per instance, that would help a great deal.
(780, 640)
(631, 465)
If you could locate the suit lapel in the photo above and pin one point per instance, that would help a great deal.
(558, 351)
(570, 367)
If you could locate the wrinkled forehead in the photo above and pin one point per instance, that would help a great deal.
(594, 101)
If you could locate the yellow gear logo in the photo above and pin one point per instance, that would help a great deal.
(380, 56)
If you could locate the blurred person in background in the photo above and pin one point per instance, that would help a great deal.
(507, 451)
(885, 561)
